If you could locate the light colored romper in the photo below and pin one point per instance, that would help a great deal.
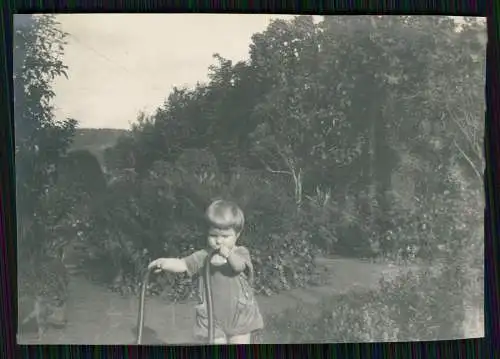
(236, 311)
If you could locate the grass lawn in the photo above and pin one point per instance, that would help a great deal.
(99, 316)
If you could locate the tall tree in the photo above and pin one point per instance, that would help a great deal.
(40, 139)
(302, 121)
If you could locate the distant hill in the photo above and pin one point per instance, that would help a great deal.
(96, 140)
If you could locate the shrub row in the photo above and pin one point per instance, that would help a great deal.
(423, 305)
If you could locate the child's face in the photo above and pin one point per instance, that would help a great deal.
(222, 237)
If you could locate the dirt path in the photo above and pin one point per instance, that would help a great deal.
(99, 316)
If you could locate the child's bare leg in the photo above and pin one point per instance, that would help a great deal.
(240, 339)
(40, 319)
(220, 340)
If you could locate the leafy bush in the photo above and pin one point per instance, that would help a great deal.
(287, 261)
(419, 305)
(162, 215)
(283, 250)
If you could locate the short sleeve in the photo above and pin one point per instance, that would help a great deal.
(194, 262)
(244, 253)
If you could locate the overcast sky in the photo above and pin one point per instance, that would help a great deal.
(120, 64)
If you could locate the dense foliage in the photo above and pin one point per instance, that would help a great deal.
(360, 136)
(41, 143)
(414, 306)
(333, 137)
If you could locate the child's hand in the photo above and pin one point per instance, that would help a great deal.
(173, 265)
(157, 264)
(224, 251)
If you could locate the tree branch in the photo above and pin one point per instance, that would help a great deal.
(460, 126)
(269, 169)
(469, 161)
(472, 142)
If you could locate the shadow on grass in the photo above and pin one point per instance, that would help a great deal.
(149, 336)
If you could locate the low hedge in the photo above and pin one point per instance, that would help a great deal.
(414, 306)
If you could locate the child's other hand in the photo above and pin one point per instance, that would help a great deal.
(224, 251)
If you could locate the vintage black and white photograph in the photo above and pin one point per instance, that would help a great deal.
(233, 179)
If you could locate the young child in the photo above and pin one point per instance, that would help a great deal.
(236, 313)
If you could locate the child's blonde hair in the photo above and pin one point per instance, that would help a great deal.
(225, 215)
